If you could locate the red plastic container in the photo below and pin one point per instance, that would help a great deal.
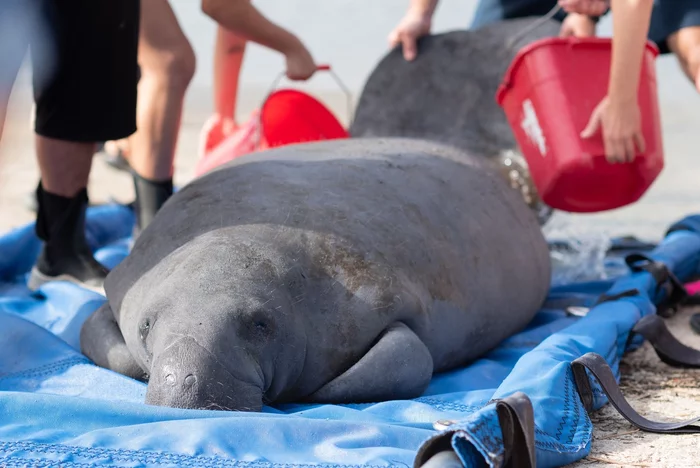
(287, 116)
(548, 94)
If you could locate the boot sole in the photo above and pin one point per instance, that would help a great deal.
(38, 279)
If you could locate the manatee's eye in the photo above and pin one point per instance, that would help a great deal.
(144, 328)
(257, 326)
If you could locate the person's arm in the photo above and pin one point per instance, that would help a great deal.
(242, 18)
(415, 24)
(592, 8)
(631, 20)
(618, 113)
(423, 7)
(228, 59)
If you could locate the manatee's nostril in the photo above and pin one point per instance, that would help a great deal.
(190, 380)
(170, 379)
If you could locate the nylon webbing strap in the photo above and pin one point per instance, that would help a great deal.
(665, 280)
(517, 421)
(667, 347)
(597, 366)
(615, 297)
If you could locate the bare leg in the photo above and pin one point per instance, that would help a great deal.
(18, 23)
(5, 92)
(167, 65)
(64, 165)
(685, 44)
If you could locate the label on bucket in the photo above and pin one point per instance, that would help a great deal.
(531, 127)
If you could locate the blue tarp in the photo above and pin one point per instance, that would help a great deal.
(57, 408)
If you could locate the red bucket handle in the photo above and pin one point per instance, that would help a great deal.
(325, 68)
(321, 67)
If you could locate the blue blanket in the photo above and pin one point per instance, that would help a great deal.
(57, 408)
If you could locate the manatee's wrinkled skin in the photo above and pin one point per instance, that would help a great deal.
(341, 271)
(448, 94)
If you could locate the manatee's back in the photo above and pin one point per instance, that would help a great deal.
(428, 215)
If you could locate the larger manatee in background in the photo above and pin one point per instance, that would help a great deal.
(447, 94)
(341, 271)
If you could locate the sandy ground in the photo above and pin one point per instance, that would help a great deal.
(654, 389)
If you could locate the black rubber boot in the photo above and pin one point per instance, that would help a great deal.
(150, 196)
(65, 254)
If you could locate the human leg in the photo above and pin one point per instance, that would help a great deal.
(19, 23)
(167, 64)
(90, 96)
(675, 27)
(9, 66)
(685, 44)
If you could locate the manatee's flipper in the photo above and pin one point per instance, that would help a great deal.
(102, 342)
(398, 366)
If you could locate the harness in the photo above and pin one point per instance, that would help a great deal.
(515, 412)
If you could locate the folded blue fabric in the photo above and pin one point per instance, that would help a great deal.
(57, 408)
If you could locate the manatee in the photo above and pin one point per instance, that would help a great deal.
(448, 94)
(332, 272)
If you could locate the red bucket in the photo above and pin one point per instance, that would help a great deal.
(548, 94)
(287, 116)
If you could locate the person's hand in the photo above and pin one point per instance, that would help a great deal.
(300, 63)
(412, 27)
(621, 125)
(577, 25)
(585, 7)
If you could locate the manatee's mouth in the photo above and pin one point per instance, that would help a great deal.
(186, 375)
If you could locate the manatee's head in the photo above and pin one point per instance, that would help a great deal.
(214, 325)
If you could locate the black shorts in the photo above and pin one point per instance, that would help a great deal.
(668, 16)
(85, 75)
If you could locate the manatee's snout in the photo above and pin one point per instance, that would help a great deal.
(186, 375)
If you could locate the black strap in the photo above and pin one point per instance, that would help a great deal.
(517, 420)
(674, 291)
(597, 366)
(667, 347)
(614, 297)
